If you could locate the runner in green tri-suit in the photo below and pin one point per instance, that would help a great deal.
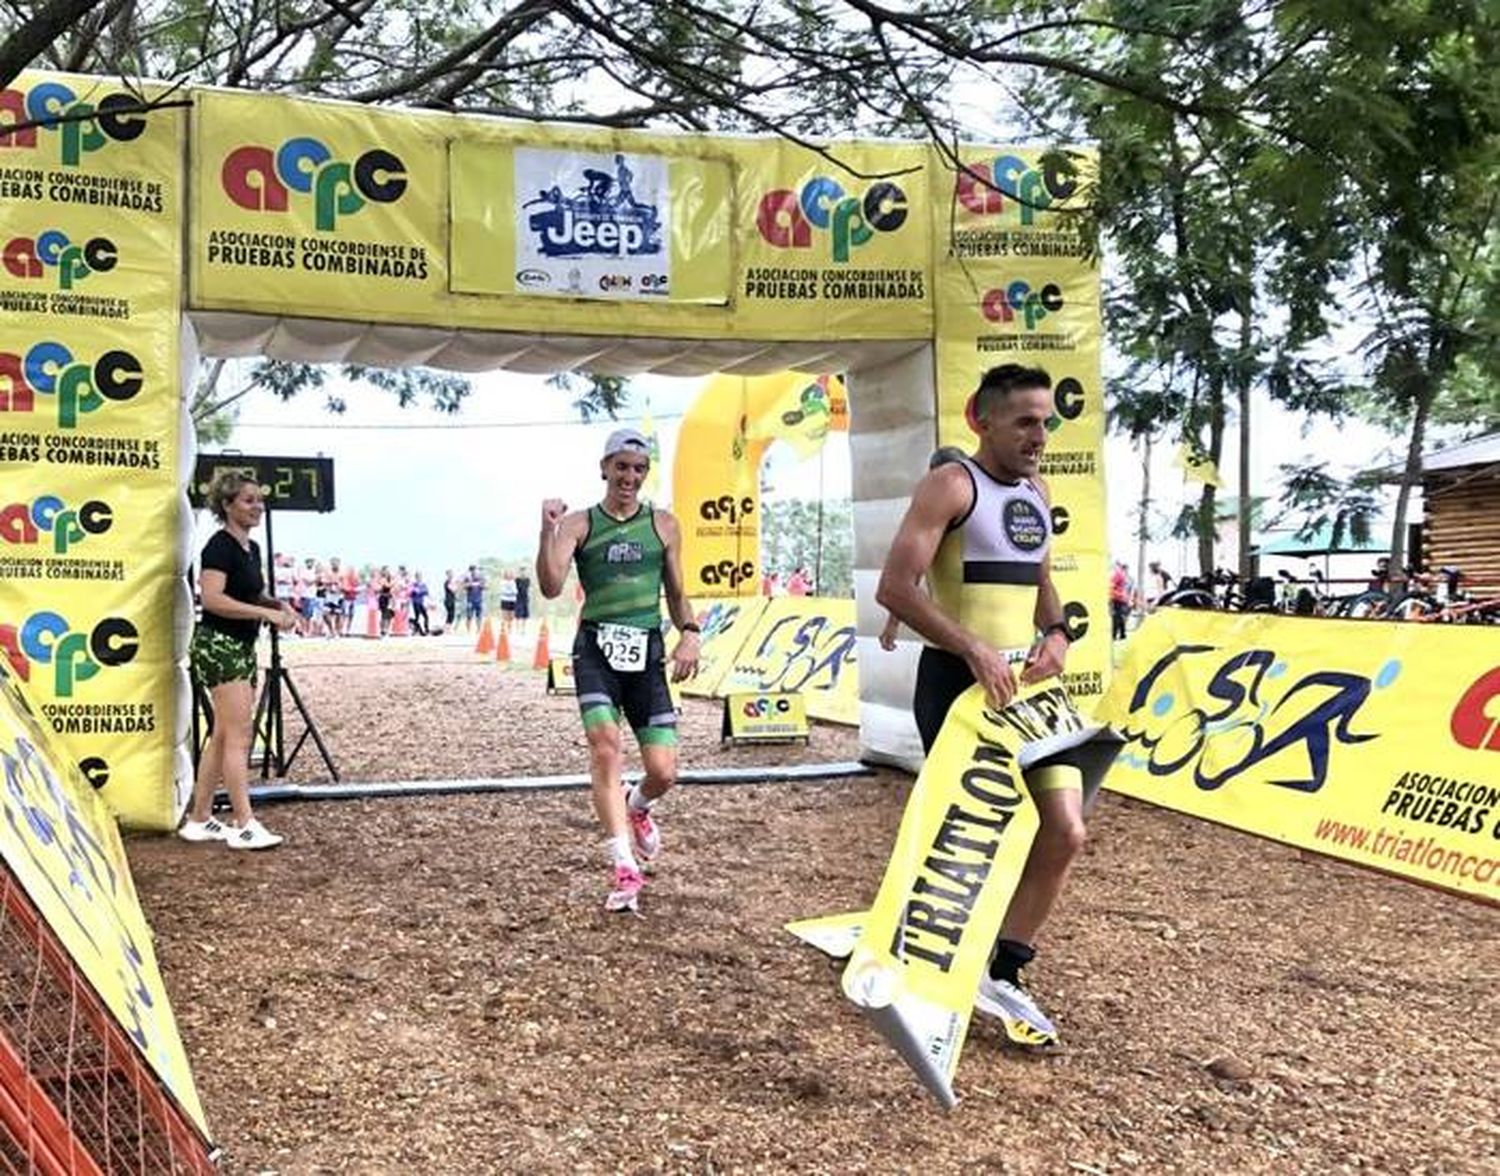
(627, 553)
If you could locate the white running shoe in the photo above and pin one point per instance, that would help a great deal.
(644, 833)
(1024, 1021)
(209, 830)
(251, 836)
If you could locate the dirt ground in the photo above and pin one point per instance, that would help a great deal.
(431, 986)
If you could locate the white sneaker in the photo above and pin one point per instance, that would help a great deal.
(209, 830)
(1024, 1021)
(251, 836)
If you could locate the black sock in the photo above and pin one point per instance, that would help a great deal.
(1009, 958)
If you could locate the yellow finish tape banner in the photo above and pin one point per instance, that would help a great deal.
(764, 717)
(90, 283)
(958, 857)
(614, 225)
(804, 644)
(716, 473)
(1377, 743)
(726, 623)
(331, 210)
(1014, 285)
(60, 842)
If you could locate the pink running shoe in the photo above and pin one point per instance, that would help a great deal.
(627, 891)
(644, 832)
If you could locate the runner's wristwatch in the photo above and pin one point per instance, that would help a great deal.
(1058, 627)
(690, 627)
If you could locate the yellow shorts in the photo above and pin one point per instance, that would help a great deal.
(1054, 778)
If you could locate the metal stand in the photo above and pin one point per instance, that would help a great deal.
(268, 724)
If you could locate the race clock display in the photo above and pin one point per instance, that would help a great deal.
(288, 483)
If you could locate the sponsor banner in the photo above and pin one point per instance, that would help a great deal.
(317, 208)
(725, 623)
(833, 935)
(716, 473)
(804, 644)
(1371, 742)
(764, 717)
(60, 842)
(615, 223)
(834, 247)
(958, 857)
(90, 283)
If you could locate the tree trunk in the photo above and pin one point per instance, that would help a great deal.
(1207, 522)
(1411, 477)
(1143, 527)
(1242, 391)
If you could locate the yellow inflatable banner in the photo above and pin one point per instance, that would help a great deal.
(1377, 743)
(1015, 284)
(716, 473)
(90, 283)
(328, 209)
(958, 857)
(60, 842)
(804, 644)
(725, 622)
(301, 205)
(834, 247)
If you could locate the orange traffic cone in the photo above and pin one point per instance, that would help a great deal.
(400, 627)
(502, 646)
(372, 621)
(543, 655)
(486, 638)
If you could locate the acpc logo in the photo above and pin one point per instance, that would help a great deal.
(990, 189)
(25, 522)
(32, 257)
(727, 573)
(47, 639)
(256, 178)
(49, 368)
(787, 219)
(1004, 303)
(1475, 722)
(116, 119)
(761, 708)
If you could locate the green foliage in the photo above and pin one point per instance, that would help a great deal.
(798, 533)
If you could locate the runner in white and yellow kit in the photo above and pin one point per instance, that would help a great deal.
(979, 531)
(628, 554)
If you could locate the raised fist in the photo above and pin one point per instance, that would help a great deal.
(553, 510)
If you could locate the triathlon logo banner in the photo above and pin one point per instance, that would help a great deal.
(726, 622)
(958, 857)
(1377, 743)
(60, 842)
(593, 226)
(804, 644)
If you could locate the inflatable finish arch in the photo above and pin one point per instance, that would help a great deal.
(250, 224)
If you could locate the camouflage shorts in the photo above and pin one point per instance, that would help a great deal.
(218, 658)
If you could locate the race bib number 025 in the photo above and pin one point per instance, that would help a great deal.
(623, 648)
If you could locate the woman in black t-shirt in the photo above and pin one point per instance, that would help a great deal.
(235, 604)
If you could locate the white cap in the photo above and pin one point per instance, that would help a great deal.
(626, 439)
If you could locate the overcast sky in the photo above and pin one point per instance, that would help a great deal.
(436, 492)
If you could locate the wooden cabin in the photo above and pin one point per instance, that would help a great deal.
(1461, 508)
